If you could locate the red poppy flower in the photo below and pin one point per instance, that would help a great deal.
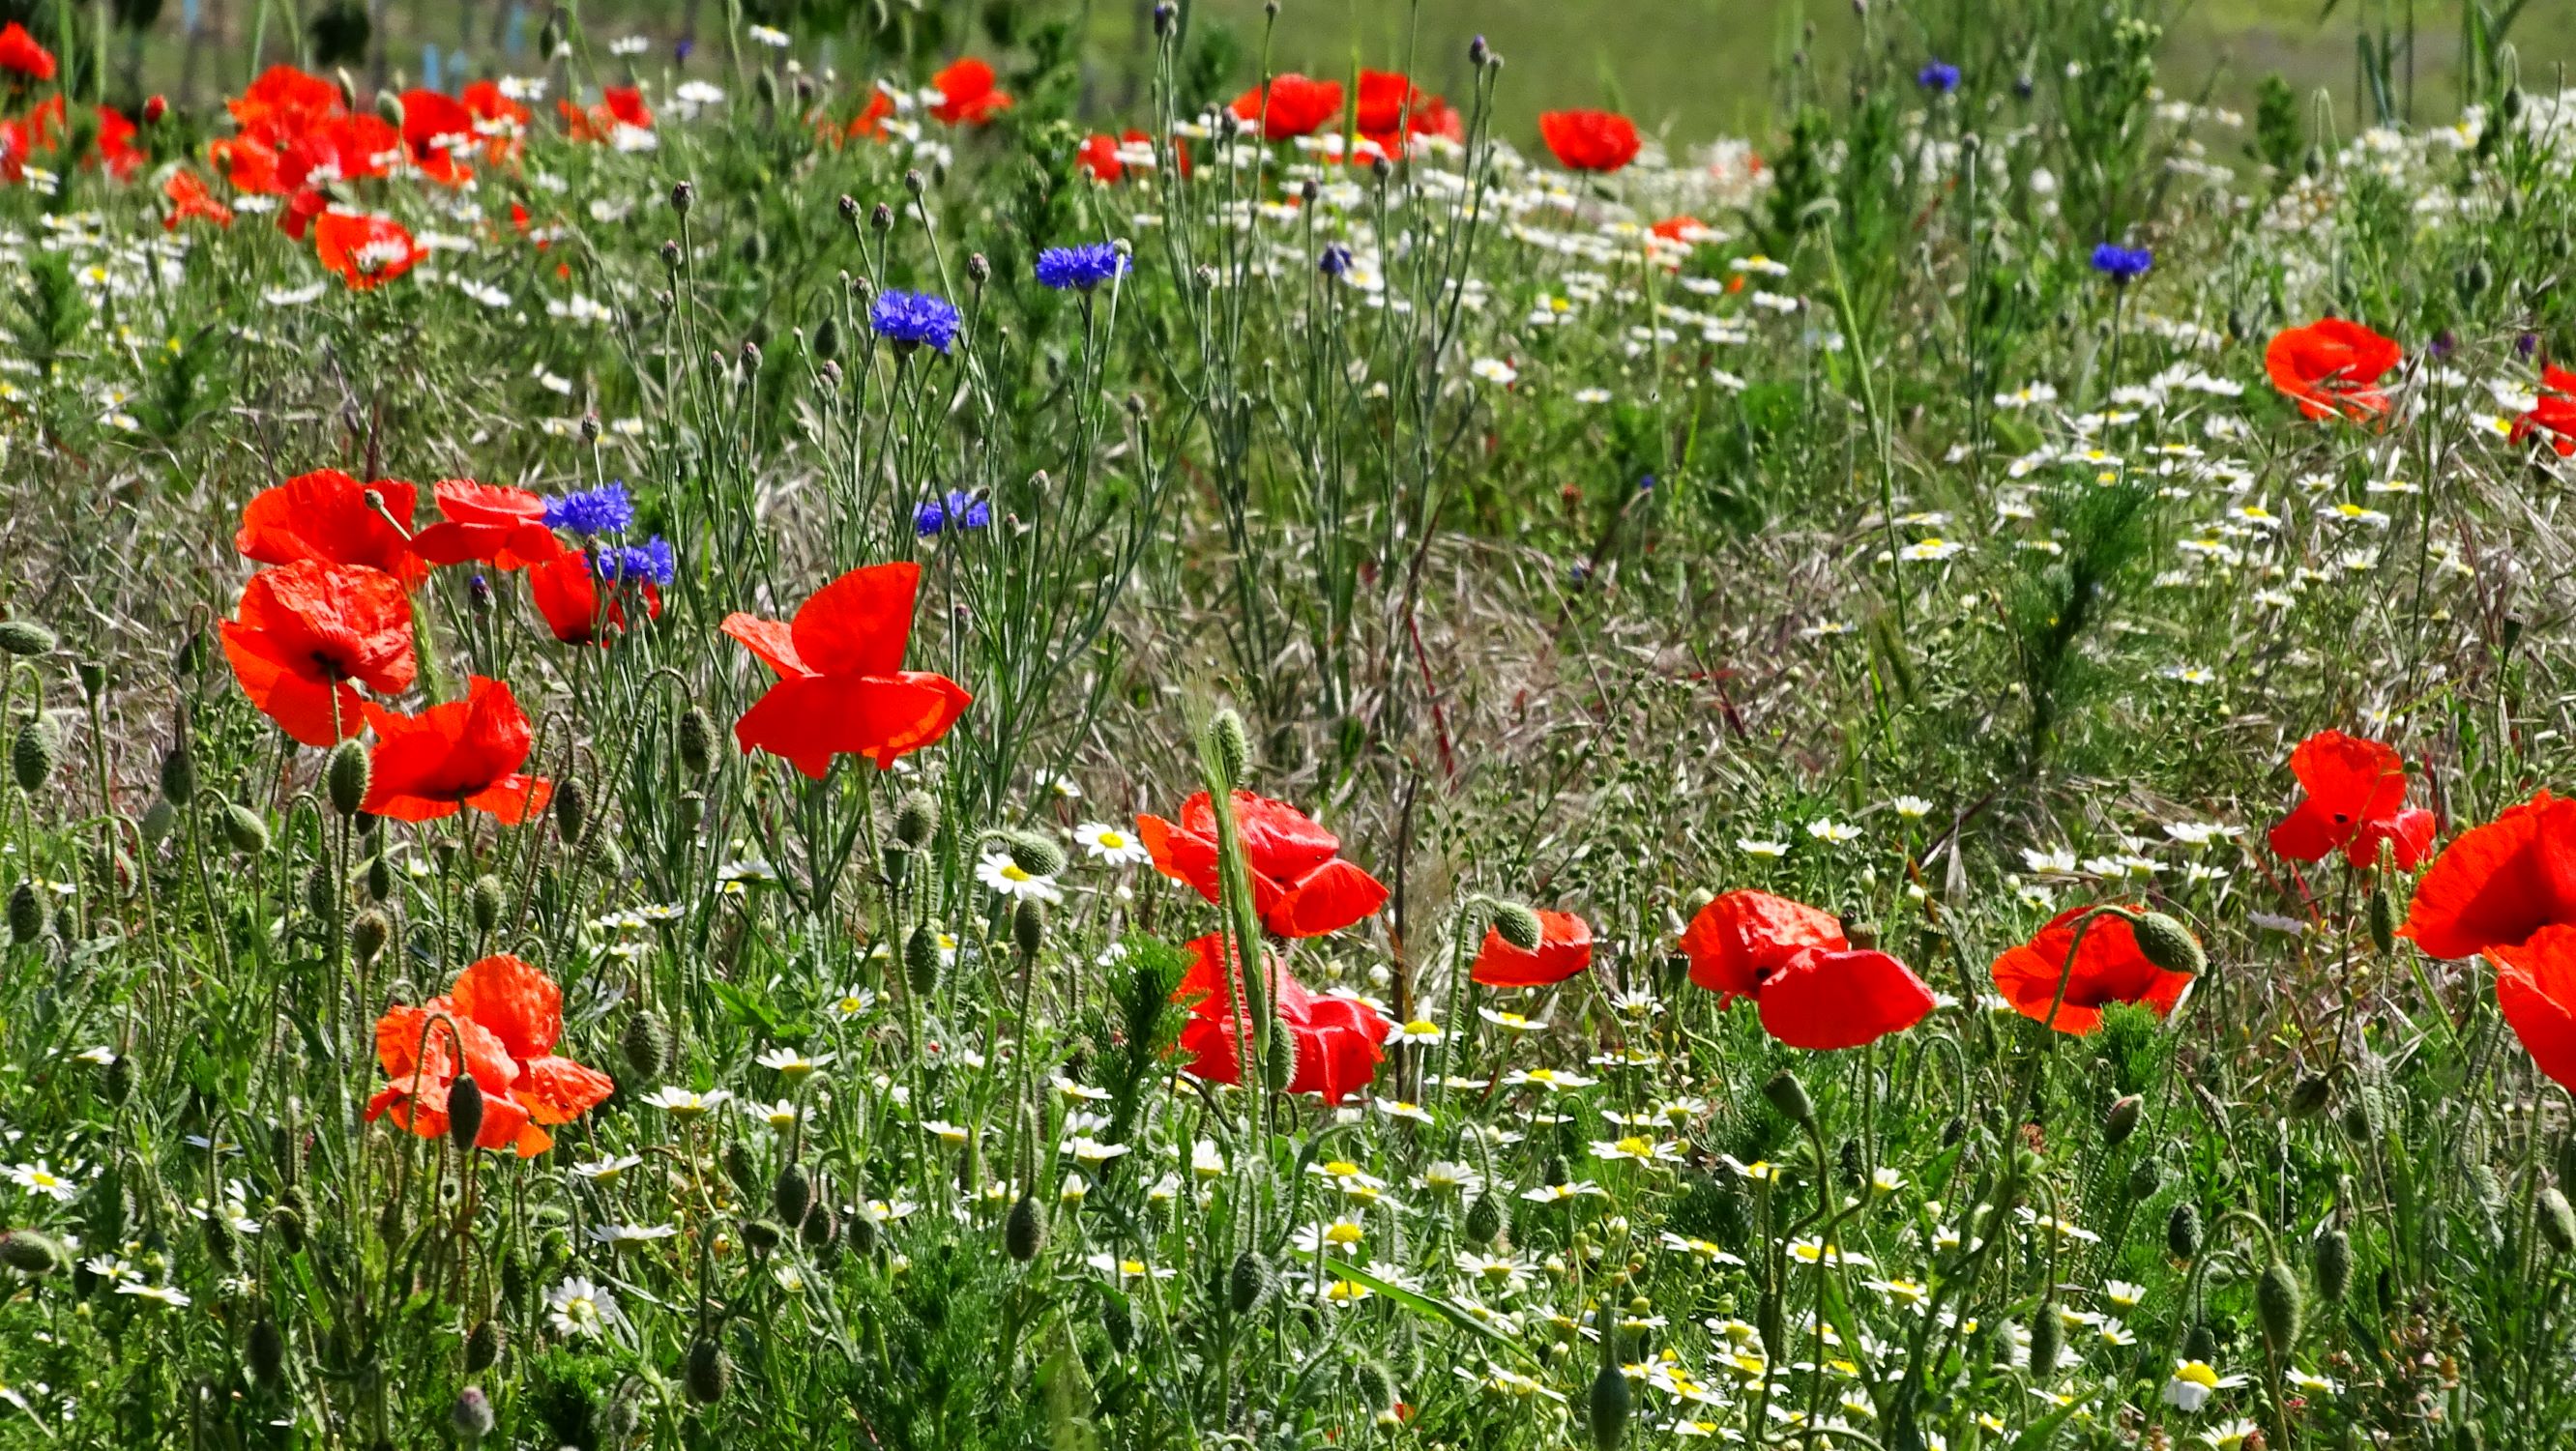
(2554, 411)
(1589, 140)
(2356, 800)
(842, 688)
(2330, 367)
(1812, 988)
(249, 166)
(490, 523)
(1742, 937)
(464, 753)
(566, 589)
(22, 54)
(437, 131)
(1336, 1038)
(189, 198)
(501, 122)
(116, 149)
(2110, 968)
(1564, 949)
(618, 106)
(1292, 106)
(506, 1016)
(284, 102)
(307, 629)
(2499, 884)
(364, 250)
(1300, 886)
(2536, 987)
(967, 94)
(324, 515)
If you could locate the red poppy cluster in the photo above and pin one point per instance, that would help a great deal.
(1336, 1040)
(969, 95)
(498, 1025)
(1301, 887)
(1601, 141)
(619, 106)
(1392, 112)
(2507, 891)
(1290, 106)
(2331, 368)
(2109, 967)
(24, 56)
(842, 689)
(2553, 412)
(1812, 988)
(442, 134)
(2356, 800)
(39, 130)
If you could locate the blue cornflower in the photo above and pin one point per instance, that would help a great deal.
(959, 511)
(604, 510)
(1335, 261)
(2122, 264)
(1081, 268)
(649, 562)
(910, 319)
(1938, 75)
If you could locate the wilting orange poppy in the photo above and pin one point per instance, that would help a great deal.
(1564, 949)
(304, 631)
(842, 688)
(2332, 367)
(1336, 1039)
(2356, 800)
(464, 753)
(1601, 141)
(967, 93)
(2110, 967)
(1810, 986)
(2552, 412)
(2499, 884)
(506, 1016)
(1291, 106)
(489, 523)
(325, 515)
(1300, 886)
(365, 250)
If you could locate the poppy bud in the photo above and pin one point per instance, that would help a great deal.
(1518, 925)
(2334, 1265)
(1024, 1232)
(2182, 1231)
(179, 775)
(25, 637)
(345, 777)
(155, 106)
(1035, 853)
(31, 1252)
(488, 902)
(26, 914)
(740, 1169)
(695, 738)
(38, 750)
(1248, 1283)
(380, 876)
(2201, 1344)
(1375, 1385)
(1606, 1409)
(367, 935)
(2309, 1095)
(286, 1222)
(1555, 1170)
(244, 829)
(916, 817)
(1279, 1067)
(464, 1112)
(483, 1346)
(390, 106)
(264, 1351)
(2278, 1303)
(2122, 1120)
(707, 1372)
(2144, 1179)
(1484, 1219)
(921, 962)
(826, 344)
(1789, 1096)
(1028, 930)
(821, 1227)
(2557, 1220)
(2168, 944)
(762, 1235)
(684, 195)
(2047, 1339)
(119, 1080)
(471, 1415)
(159, 820)
(979, 268)
(792, 1194)
(572, 811)
(321, 891)
(1231, 747)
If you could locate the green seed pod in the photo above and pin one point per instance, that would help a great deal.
(179, 775)
(916, 818)
(39, 749)
(1484, 1219)
(2047, 1341)
(1034, 853)
(368, 935)
(763, 1235)
(2383, 918)
(346, 777)
(483, 1346)
(697, 742)
(488, 901)
(1375, 1385)
(93, 679)
(264, 1352)
(1789, 1096)
(32, 1252)
(2355, 1117)
(1606, 1409)
(707, 1373)
(286, 1222)
(2334, 1265)
(159, 820)
(471, 1416)
(2557, 1220)
(646, 1044)
(1248, 1283)
(25, 637)
(827, 339)
(792, 1194)
(2122, 1120)
(1231, 747)
(1279, 1064)
(27, 916)
(740, 1169)
(244, 829)
(1024, 1232)
(379, 876)
(572, 810)
(2168, 944)
(464, 1112)
(2309, 1096)
(2279, 1304)
(1517, 925)
(2182, 1231)
(921, 962)
(1028, 929)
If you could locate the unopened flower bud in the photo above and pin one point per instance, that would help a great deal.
(707, 1373)
(244, 829)
(684, 195)
(2182, 1231)
(2334, 1265)
(347, 776)
(921, 962)
(2279, 1305)
(1606, 1409)
(979, 268)
(25, 637)
(464, 1112)
(916, 818)
(1035, 853)
(1518, 925)
(1789, 1096)
(792, 1194)
(367, 935)
(1024, 1232)
(487, 902)
(1028, 931)
(2122, 1120)
(2557, 1220)
(2168, 944)
(471, 1415)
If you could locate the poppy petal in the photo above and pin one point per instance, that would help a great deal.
(2536, 988)
(859, 624)
(1327, 899)
(516, 1002)
(1830, 1000)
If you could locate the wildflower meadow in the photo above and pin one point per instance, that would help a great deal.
(896, 730)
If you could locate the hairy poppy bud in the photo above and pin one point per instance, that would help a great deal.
(2047, 1340)
(2182, 1231)
(1376, 1386)
(1248, 1283)
(572, 811)
(1035, 853)
(762, 1235)
(2383, 917)
(2309, 1095)
(1789, 1096)
(119, 1080)
(159, 820)
(488, 901)
(346, 777)
(707, 1373)
(921, 962)
(464, 1112)
(26, 914)
(1605, 1410)
(368, 933)
(264, 1351)
(821, 1227)
(2144, 1179)
(471, 1415)
(380, 873)
(2122, 1120)
(31, 1252)
(2334, 1265)
(179, 775)
(2201, 1344)
(244, 829)
(1118, 1322)
(1231, 747)
(2168, 944)
(25, 637)
(916, 819)
(2279, 1304)
(321, 891)
(1279, 1067)
(2557, 1220)
(696, 737)
(1028, 929)
(1484, 1219)
(38, 750)
(1024, 1232)
(483, 1346)
(792, 1194)
(1518, 925)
